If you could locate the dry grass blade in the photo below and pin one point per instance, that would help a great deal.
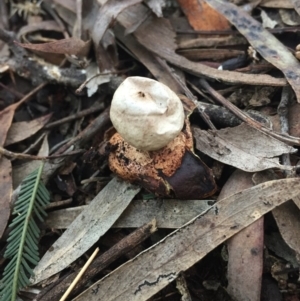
(153, 269)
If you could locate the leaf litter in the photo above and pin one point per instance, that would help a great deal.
(43, 114)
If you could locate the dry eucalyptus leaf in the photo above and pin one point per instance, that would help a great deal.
(245, 249)
(287, 217)
(19, 131)
(86, 229)
(154, 268)
(168, 213)
(70, 46)
(271, 49)
(242, 147)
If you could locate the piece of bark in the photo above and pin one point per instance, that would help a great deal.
(245, 249)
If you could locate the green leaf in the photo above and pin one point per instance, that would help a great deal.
(22, 243)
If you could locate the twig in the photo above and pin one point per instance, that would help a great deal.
(246, 118)
(75, 281)
(35, 71)
(21, 156)
(83, 85)
(78, 25)
(96, 126)
(59, 203)
(235, 32)
(122, 247)
(16, 93)
(27, 96)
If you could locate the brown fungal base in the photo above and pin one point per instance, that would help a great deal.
(173, 171)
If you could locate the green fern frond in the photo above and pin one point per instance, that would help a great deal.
(22, 243)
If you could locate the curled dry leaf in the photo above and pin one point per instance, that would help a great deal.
(70, 46)
(173, 171)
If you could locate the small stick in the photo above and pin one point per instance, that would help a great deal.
(16, 93)
(246, 118)
(68, 291)
(80, 114)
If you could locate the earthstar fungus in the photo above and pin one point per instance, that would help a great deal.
(153, 146)
(146, 113)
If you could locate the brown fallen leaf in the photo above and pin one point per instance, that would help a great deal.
(25, 129)
(202, 17)
(70, 46)
(156, 267)
(245, 249)
(271, 49)
(242, 147)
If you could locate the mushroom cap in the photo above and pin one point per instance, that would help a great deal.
(146, 113)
